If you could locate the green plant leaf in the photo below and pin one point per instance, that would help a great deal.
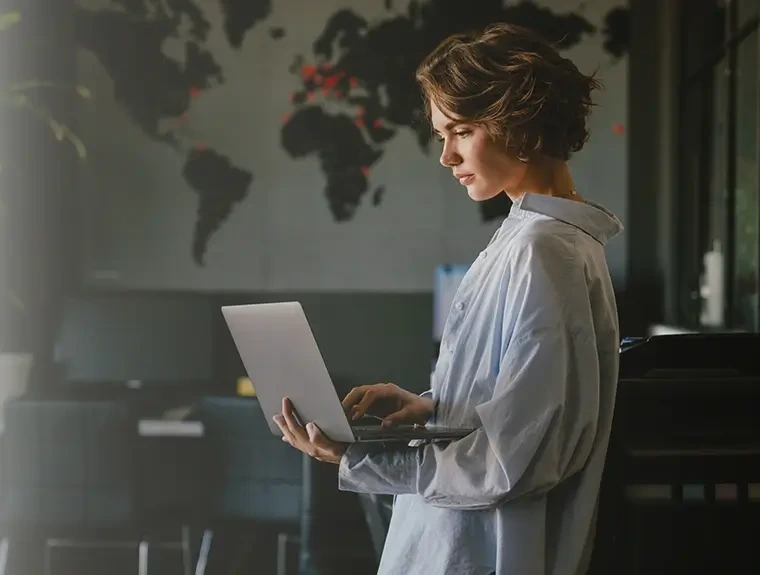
(78, 145)
(8, 19)
(57, 128)
(29, 84)
(60, 131)
(84, 92)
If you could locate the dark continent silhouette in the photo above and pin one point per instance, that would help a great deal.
(242, 15)
(382, 59)
(220, 186)
(152, 87)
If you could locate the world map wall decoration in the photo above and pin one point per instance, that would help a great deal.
(219, 111)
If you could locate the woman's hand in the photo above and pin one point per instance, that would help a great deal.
(309, 440)
(390, 403)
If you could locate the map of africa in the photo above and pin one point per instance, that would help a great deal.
(355, 88)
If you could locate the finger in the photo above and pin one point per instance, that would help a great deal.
(320, 441)
(290, 420)
(294, 412)
(286, 434)
(397, 417)
(370, 397)
(354, 396)
(316, 436)
(288, 414)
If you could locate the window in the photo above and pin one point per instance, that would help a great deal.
(718, 202)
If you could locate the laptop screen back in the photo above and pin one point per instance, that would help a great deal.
(282, 359)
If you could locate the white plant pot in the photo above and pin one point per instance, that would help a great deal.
(14, 378)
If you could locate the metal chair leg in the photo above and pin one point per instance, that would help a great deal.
(185, 549)
(200, 567)
(184, 546)
(46, 563)
(142, 558)
(3, 555)
(282, 551)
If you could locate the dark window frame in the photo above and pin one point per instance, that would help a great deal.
(710, 37)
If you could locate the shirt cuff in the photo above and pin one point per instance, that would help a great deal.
(347, 481)
(379, 468)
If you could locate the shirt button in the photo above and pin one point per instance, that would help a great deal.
(460, 306)
(484, 253)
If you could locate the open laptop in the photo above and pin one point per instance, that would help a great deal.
(282, 359)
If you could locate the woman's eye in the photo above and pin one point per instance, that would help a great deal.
(457, 133)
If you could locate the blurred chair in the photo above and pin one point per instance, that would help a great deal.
(76, 475)
(335, 536)
(66, 469)
(255, 478)
(173, 487)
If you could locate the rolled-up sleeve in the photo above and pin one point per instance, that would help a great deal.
(540, 423)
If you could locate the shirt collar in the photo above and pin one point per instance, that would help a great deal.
(591, 218)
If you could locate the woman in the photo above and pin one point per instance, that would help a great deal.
(529, 355)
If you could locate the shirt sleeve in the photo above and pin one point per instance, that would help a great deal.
(539, 426)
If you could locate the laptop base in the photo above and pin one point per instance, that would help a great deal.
(407, 433)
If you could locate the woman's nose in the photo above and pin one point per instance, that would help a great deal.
(449, 157)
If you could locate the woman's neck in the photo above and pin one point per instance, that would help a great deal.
(548, 177)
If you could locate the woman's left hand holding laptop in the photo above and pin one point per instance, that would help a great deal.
(308, 439)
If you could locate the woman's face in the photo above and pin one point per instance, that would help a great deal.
(480, 164)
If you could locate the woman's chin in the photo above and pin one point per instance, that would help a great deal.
(480, 195)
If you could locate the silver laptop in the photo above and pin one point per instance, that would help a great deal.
(282, 359)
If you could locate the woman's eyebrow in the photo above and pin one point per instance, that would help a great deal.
(448, 126)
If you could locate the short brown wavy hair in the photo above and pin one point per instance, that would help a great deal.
(515, 84)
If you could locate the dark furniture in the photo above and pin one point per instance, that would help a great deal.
(254, 482)
(77, 475)
(214, 489)
(335, 534)
(681, 488)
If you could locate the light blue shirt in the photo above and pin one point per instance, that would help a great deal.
(529, 358)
